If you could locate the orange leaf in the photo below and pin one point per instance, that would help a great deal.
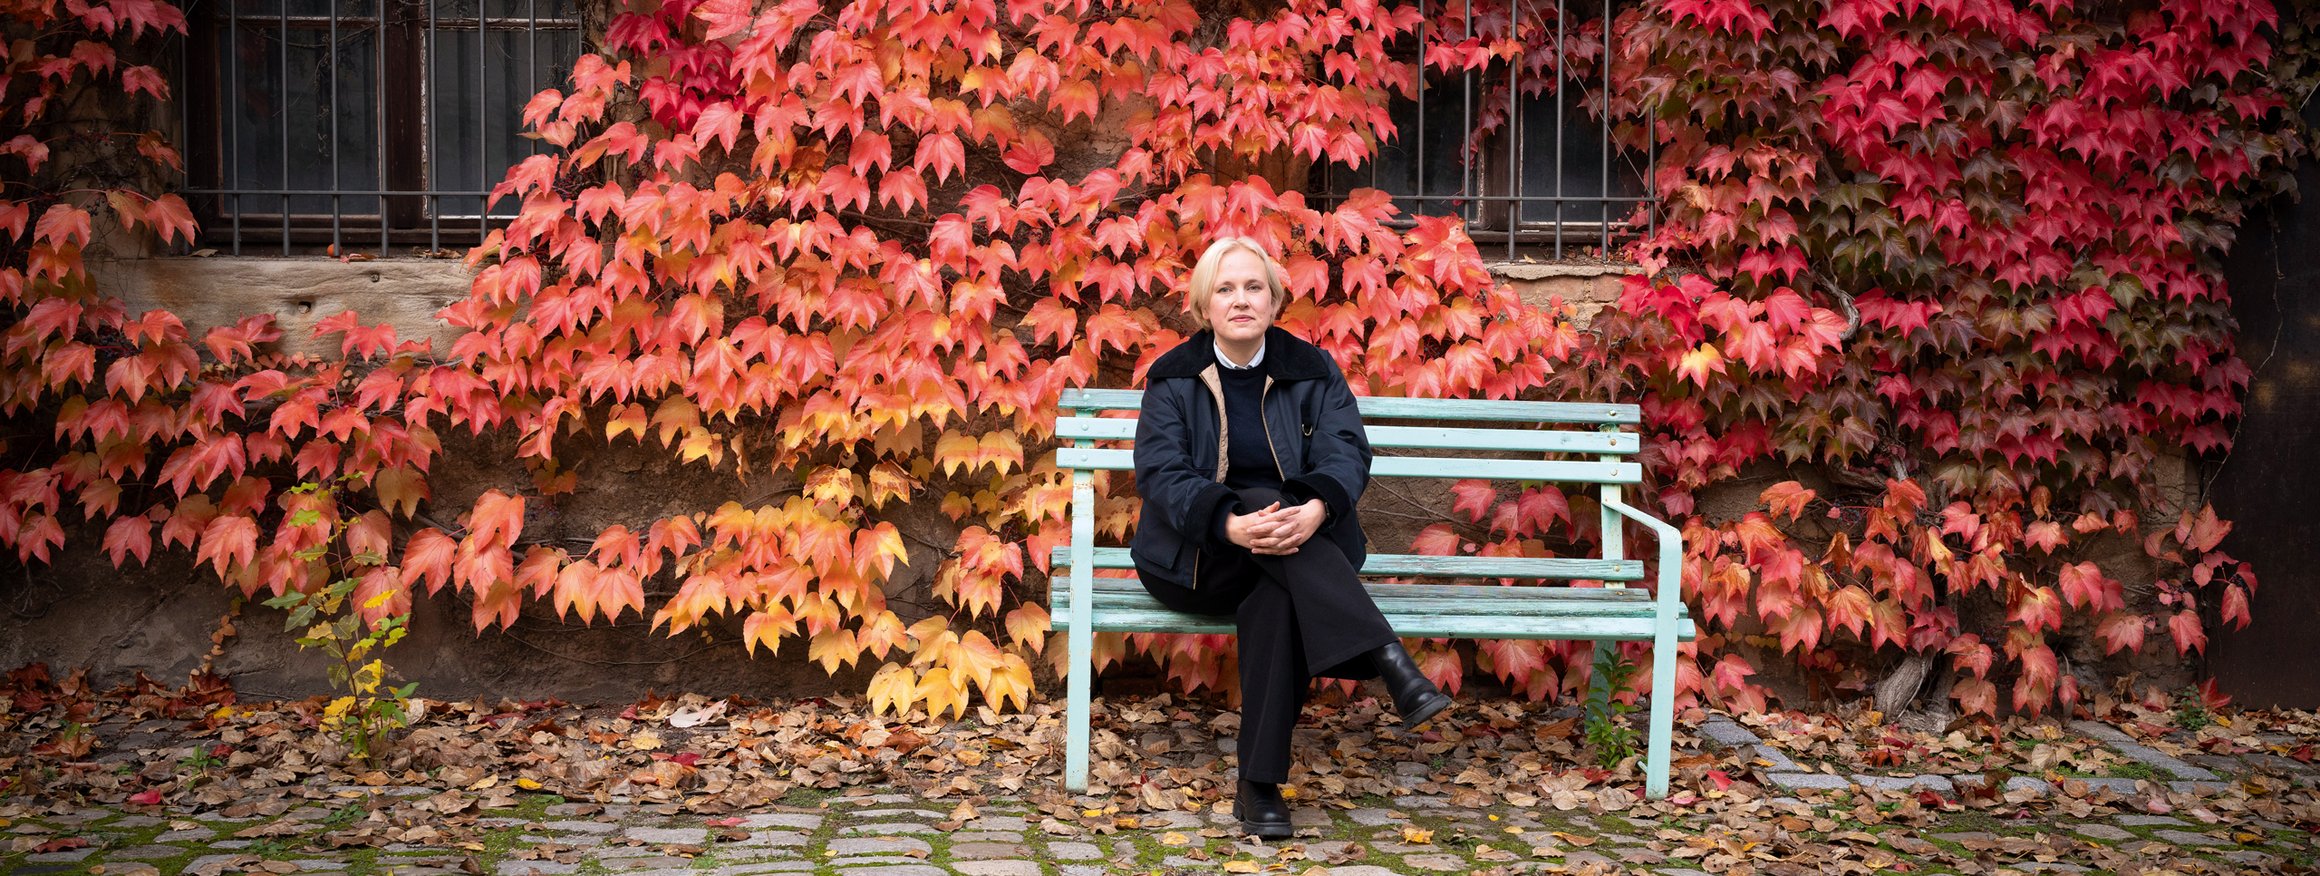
(1786, 499)
(1699, 363)
(881, 633)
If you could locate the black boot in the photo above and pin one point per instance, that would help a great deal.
(1262, 812)
(1415, 697)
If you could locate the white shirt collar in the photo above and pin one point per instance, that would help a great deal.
(1254, 361)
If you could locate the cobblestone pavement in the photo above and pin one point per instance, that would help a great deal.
(885, 834)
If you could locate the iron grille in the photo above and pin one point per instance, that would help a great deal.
(1522, 154)
(350, 123)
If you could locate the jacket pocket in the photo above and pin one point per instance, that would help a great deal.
(1157, 549)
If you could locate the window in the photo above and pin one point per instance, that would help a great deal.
(1529, 165)
(361, 123)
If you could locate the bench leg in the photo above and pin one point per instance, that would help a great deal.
(1663, 712)
(1078, 713)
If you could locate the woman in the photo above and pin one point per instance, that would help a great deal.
(1250, 457)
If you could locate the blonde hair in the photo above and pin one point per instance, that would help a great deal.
(1201, 286)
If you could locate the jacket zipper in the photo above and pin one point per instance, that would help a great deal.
(1268, 427)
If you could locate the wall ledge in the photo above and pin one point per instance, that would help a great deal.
(1549, 270)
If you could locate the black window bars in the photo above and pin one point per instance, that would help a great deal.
(352, 123)
(1513, 148)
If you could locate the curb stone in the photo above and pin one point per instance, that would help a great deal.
(2126, 745)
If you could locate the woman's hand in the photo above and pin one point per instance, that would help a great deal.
(1275, 530)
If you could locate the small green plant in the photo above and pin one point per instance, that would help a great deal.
(342, 816)
(1608, 736)
(200, 762)
(368, 710)
(2191, 712)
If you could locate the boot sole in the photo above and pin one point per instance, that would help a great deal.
(1436, 705)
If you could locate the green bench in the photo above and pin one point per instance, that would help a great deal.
(1611, 613)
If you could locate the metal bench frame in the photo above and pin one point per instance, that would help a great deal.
(1604, 615)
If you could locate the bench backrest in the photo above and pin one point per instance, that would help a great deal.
(1608, 442)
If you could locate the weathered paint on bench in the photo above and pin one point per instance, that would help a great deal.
(1604, 613)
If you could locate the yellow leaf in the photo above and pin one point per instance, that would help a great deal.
(831, 484)
(1011, 681)
(942, 694)
(976, 659)
(701, 444)
(1417, 836)
(954, 450)
(1242, 865)
(528, 784)
(894, 687)
(1000, 450)
(645, 740)
(1029, 624)
(1172, 838)
(888, 481)
(484, 783)
(833, 647)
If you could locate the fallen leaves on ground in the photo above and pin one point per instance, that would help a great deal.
(198, 748)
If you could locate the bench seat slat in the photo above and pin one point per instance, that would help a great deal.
(1477, 622)
(1566, 471)
(1533, 608)
(1424, 565)
(1578, 598)
(1408, 437)
(1386, 407)
(1463, 611)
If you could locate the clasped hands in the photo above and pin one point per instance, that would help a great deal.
(1275, 530)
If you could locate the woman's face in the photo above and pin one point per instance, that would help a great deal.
(1240, 308)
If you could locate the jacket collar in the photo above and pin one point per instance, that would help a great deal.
(1287, 357)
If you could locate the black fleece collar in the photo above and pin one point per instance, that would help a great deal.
(1287, 357)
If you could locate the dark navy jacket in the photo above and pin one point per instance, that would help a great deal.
(1316, 436)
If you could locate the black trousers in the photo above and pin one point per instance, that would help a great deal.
(1300, 617)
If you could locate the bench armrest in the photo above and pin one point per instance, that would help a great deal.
(1670, 597)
